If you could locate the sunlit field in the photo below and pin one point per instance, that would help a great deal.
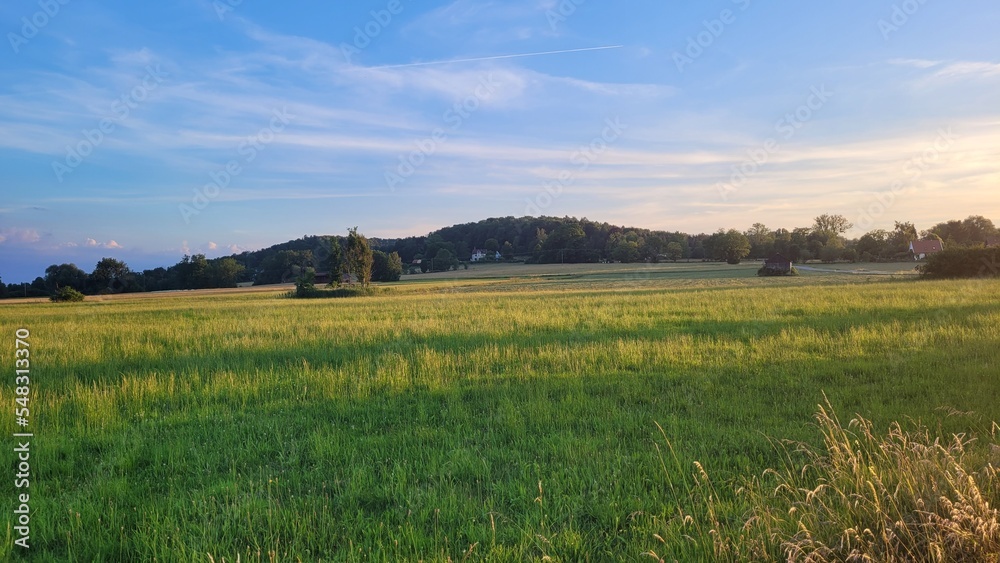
(500, 415)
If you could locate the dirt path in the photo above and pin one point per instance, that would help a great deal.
(858, 271)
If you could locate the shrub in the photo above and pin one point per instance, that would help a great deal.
(963, 263)
(305, 285)
(66, 295)
(316, 293)
(765, 271)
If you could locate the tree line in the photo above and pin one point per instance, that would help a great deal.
(349, 259)
(539, 240)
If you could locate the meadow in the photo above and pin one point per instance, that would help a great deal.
(494, 415)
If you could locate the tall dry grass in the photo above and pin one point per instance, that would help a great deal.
(911, 495)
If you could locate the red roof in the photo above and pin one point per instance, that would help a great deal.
(926, 246)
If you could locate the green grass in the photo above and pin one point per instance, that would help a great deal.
(513, 418)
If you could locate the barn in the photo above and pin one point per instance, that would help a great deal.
(776, 265)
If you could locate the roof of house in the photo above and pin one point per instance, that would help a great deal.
(926, 246)
(992, 241)
(777, 259)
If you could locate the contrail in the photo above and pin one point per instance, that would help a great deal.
(497, 57)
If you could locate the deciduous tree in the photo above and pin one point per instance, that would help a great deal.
(110, 274)
(359, 256)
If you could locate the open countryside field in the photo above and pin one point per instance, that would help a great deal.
(469, 415)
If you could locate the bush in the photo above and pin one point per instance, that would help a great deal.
(315, 293)
(765, 271)
(66, 295)
(963, 263)
(305, 285)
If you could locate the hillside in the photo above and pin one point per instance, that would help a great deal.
(538, 240)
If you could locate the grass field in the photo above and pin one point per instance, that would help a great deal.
(470, 415)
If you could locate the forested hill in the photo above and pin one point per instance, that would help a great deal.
(529, 239)
(524, 239)
(541, 239)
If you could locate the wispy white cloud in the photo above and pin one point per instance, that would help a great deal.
(915, 63)
(973, 69)
(941, 70)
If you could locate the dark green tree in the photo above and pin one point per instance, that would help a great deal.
(507, 250)
(761, 241)
(225, 272)
(874, 246)
(284, 266)
(731, 246)
(386, 267)
(334, 260)
(65, 275)
(674, 251)
(110, 275)
(566, 244)
(443, 261)
(359, 257)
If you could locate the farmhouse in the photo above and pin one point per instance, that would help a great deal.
(479, 255)
(923, 248)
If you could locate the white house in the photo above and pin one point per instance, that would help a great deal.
(480, 255)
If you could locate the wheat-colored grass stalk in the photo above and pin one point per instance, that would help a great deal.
(906, 496)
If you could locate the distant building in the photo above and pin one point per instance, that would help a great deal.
(480, 255)
(992, 242)
(244, 284)
(778, 265)
(923, 248)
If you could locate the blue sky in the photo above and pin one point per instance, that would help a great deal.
(148, 130)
